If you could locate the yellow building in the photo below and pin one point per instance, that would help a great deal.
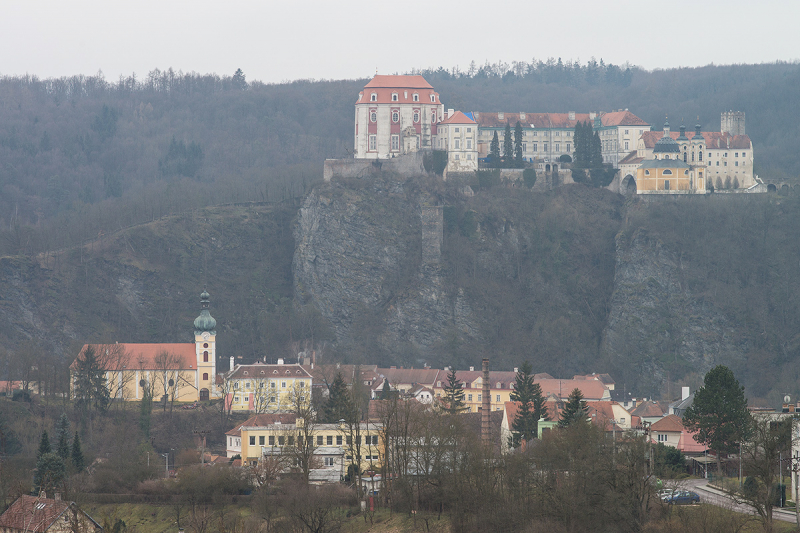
(263, 388)
(335, 446)
(184, 372)
(667, 172)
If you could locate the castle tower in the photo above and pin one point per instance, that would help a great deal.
(205, 339)
(732, 122)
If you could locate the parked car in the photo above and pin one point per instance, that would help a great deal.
(678, 497)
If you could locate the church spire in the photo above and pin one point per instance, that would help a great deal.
(205, 322)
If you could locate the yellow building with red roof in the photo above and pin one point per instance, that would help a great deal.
(184, 372)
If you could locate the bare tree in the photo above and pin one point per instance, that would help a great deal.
(117, 363)
(166, 376)
(301, 449)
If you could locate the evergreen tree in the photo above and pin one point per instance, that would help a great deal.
(596, 154)
(386, 391)
(338, 407)
(518, 162)
(145, 410)
(77, 453)
(579, 156)
(508, 147)
(719, 412)
(50, 472)
(575, 411)
(44, 445)
(62, 435)
(494, 152)
(453, 394)
(90, 389)
(531, 409)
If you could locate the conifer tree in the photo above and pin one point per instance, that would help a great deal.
(386, 391)
(596, 154)
(62, 435)
(77, 453)
(44, 445)
(575, 411)
(508, 147)
(338, 407)
(529, 395)
(518, 162)
(494, 152)
(453, 394)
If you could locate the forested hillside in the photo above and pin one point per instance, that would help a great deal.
(112, 219)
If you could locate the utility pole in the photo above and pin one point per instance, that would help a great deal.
(166, 464)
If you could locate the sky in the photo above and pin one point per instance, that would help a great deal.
(345, 39)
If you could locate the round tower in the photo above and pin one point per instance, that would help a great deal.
(205, 339)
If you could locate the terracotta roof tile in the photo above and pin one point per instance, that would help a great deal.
(262, 371)
(33, 514)
(267, 419)
(668, 423)
(556, 120)
(143, 356)
(458, 118)
(398, 82)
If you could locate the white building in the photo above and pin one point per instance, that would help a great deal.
(396, 115)
(458, 134)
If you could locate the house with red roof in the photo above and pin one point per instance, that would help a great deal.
(39, 514)
(184, 372)
(670, 432)
(458, 136)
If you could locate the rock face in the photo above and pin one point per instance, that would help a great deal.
(368, 256)
(659, 325)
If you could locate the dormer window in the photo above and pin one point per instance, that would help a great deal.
(415, 97)
(373, 97)
(433, 98)
(245, 372)
(394, 97)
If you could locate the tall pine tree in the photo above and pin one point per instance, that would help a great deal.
(494, 152)
(453, 394)
(77, 453)
(338, 407)
(508, 147)
(518, 162)
(62, 436)
(44, 445)
(531, 406)
(575, 411)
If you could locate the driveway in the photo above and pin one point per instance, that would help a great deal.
(720, 499)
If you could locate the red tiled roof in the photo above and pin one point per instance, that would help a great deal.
(33, 514)
(143, 356)
(556, 120)
(631, 159)
(649, 409)
(668, 423)
(511, 409)
(713, 139)
(687, 444)
(458, 118)
(592, 390)
(424, 376)
(260, 370)
(398, 82)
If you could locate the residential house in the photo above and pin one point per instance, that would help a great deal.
(671, 432)
(266, 388)
(39, 514)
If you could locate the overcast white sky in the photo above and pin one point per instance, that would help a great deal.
(336, 39)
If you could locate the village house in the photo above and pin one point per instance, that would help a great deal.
(40, 514)
(263, 388)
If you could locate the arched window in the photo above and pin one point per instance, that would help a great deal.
(373, 97)
(416, 116)
(205, 376)
(205, 357)
(395, 116)
(684, 157)
(373, 116)
(394, 97)
(415, 97)
(700, 155)
(667, 171)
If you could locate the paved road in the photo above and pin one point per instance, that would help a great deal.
(720, 499)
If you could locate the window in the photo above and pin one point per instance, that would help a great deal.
(626, 132)
(457, 144)
(457, 130)
(319, 440)
(252, 440)
(395, 116)
(416, 117)
(457, 157)
(373, 97)
(283, 384)
(666, 185)
(272, 440)
(372, 143)
(736, 154)
(373, 116)
(205, 376)
(236, 386)
(662, 437)
(329, 440)
(281, 440)
(236, 399)
(717, 163)
(684, 157)
(290, 440)
(725, 164)
(667, 171)
(569, 148)
(558, 134)
(743, 154)
(545, 147)
(469, 397)
(395, 143)
(205, 344)
(469, 130)
(247, 385)
(302, 384)
(469, 157)
(338, 440)
(480, 399)
(375, 440)
(261, 440)
(622, 420)
(525, 147)
(433, 98)
(433, 117)
(272, 399)
(415, 97)
(394, 97)
(558, 147)
(329, 460)
(534, 147)
(535, 133)
(498, 398)
(646, 172)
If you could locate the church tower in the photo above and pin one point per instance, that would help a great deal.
(205, 339)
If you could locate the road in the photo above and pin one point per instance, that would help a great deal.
(720, 499)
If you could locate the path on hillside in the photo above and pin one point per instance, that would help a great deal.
(720, 499)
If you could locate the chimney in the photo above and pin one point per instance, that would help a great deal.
(486, 407)
(450, 112)
(232, 364)
(516, 370)
(501, 115)
(572, 115)
(472, 369)
(57, 496)
(43, 495)
(684, 393)
(280, 361)
(522, 116)
(592, 116)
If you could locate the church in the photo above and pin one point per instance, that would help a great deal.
(183, 372)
